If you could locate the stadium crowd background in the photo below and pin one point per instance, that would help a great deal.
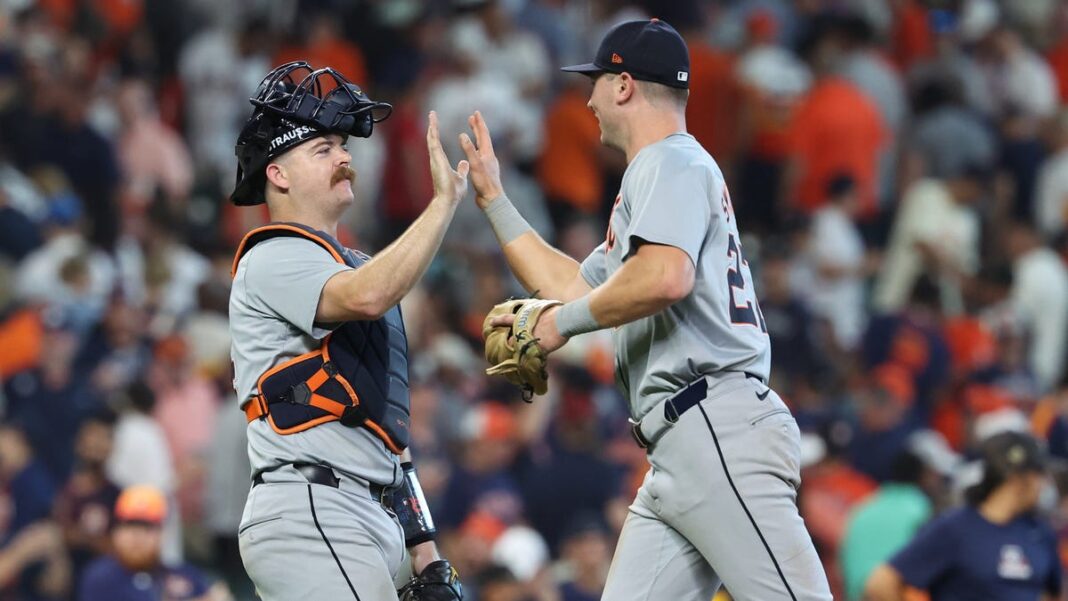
(899, 168)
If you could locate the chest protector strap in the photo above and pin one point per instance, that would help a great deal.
(317, 387)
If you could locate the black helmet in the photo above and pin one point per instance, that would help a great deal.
(293, 104)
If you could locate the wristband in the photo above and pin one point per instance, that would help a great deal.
(505, 220)
(576, 318)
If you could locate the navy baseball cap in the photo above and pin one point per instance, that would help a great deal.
(649, 50)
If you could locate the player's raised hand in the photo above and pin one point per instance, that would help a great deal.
(485, 169)
(449, 183)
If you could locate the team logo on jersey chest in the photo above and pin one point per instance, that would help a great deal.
(1013, 564)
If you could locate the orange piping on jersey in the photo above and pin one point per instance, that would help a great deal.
(280, 226)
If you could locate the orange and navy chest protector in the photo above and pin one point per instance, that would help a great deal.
(358, 375)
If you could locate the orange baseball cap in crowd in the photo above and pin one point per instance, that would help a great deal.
(142, 505)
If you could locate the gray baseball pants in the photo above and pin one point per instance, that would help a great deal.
(312, 541)
(718, 507)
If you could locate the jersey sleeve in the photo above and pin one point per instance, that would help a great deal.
(594, 268)
(669, 204)
(928, 556)
(285, 277)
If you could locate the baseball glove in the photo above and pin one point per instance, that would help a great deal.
(513, 351)
(438, 581)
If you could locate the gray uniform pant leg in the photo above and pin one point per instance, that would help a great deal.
(310, 541)
(719, 504)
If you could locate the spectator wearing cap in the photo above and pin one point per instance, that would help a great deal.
(885, 522)
(134, 571)
(993, 548)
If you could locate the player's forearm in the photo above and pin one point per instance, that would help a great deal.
(539, 267)
(383, 281)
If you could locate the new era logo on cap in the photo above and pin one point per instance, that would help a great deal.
(654, 52)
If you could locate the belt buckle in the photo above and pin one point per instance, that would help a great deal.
(383, 495)
(636, 433)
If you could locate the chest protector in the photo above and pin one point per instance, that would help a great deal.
(358, 375)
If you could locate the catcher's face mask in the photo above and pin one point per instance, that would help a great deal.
(293, 104)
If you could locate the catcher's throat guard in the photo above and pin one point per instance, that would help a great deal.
(344, 379)
(295, 103)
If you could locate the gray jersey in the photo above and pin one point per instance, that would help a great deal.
(272, 319)
(673, 193)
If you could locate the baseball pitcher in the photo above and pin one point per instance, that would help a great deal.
(692, 357)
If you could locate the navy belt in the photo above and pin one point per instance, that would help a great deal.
(320, 474)
(675, 406)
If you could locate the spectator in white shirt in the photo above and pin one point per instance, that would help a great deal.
(836, 252)
(1051, 192)
(141, 456)
(936, 231)
(1039, 299)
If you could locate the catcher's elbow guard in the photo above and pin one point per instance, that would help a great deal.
(410, 506)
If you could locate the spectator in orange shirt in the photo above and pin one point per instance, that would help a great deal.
(323, 45)
(711, 113)
(837, 129)
(569, 169)
(772, 82)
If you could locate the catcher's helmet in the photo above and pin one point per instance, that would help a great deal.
(293, 104)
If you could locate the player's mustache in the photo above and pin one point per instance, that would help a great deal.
(342, 173)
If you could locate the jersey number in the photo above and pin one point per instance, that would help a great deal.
(743, 310)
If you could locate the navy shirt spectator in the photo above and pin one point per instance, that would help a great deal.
(27, 484)
(106, 578)
(962, 555)
(994, 549)
(134, 572)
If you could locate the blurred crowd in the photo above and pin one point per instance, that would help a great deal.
(899, 170)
